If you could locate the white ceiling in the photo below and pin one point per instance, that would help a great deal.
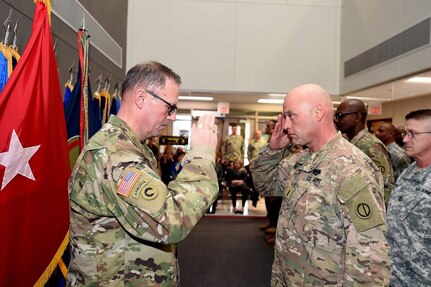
(391, 91)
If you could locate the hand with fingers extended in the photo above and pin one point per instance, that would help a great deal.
(204, 132)
(279, 138)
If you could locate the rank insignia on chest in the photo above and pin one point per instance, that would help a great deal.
(127, 182)
(313, 179)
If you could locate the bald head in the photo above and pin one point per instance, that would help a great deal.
(311, 94)
(350, 117)
(354, 105)
(308, 114)
(387, 133)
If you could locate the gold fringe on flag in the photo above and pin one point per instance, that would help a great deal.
(53, 264)
(48, 7)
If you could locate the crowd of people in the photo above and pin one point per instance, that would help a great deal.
(345, 207)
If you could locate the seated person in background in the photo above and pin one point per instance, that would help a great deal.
(236, 181)
(166, 163)
(220, 177)
(177, 166)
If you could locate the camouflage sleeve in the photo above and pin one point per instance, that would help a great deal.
(266, 168)
(380, 157)
(150, 210)
(367, 251)
(249, 148)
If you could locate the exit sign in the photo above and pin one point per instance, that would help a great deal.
(375, 108)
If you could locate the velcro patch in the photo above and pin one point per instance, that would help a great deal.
(364, 210)
(128, 180)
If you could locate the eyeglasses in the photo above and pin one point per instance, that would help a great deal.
(171, 108)
(339, 116)
(412, 134)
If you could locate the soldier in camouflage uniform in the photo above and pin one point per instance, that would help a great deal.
(255, 145)
(350, 119)
(331, 229)
(124, 222)
(388, 133)
(233, 147)
(409, 211)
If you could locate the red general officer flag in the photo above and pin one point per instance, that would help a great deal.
(34, 167)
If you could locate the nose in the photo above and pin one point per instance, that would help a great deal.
(287, 123)
(172, 117)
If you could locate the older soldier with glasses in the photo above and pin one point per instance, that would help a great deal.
(331, 228)
(124, 221)
(409, 211)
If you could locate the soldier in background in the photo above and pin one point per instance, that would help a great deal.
(124, 221)
(255, 145)
(331, 228)
(350, 119)
(409, 211)
(233, 147)
(388, 133)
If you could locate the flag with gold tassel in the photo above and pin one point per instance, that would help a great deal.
(34, 166)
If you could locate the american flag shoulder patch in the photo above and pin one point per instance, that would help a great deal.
(127, 182)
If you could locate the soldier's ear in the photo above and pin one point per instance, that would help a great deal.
(318, 112)
(139, 98)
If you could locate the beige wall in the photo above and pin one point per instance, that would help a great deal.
(397, 110)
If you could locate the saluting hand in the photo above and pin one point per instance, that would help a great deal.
(204, 132)
(279, 139)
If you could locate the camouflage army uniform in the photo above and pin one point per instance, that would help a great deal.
(233, 148)
(400, 161)
(124, 222)
(331, 229)
(254, 147)
(409, 228)
(376, 150)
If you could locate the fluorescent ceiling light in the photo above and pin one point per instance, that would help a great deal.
(190, 98)
(277, 95)
(368, 99)
(183, 117)
(420, 80)
(270, 101)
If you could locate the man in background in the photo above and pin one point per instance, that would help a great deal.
(124, 221)
(388, 133)
(255, 145)
(233, 146)
(350, 118)
(409, 211)
(331, 228)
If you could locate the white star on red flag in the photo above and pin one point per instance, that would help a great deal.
(16, 160)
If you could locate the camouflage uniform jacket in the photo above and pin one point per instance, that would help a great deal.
(409, 228)
(233, 148)
(124, 222)
(400, 161)
(376, 150)
(254, 147)
(331, 229)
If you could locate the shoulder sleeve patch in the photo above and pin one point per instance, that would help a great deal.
(362, 206)
(127, 181)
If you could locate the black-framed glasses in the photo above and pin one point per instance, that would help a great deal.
(339, 116)
(171, 108)
(412, 134)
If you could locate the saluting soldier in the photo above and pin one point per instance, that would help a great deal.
(350, 119)
(331, 229)
(124, 221)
